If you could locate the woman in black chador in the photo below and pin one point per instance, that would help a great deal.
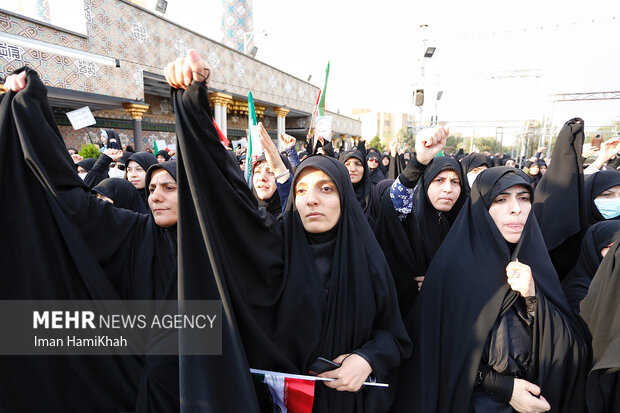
(313, 284)
(594, 246)
(83, 248)
(493, 331)
(600, 309)
(416, 213)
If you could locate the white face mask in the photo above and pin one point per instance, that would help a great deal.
(116, 173)
(471, 177)
(82, 175)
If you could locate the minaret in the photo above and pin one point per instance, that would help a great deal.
(236, 21)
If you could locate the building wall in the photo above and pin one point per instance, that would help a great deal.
(383, 124)
(143, 41)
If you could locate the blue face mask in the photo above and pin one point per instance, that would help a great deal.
(609, 208)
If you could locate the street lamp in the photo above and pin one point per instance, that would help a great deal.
(429, 51)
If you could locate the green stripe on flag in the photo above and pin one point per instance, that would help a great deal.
(249, 155)
(322, 101)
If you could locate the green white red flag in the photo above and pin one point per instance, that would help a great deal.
(319, 107)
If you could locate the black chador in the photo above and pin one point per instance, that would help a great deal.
(462, 302)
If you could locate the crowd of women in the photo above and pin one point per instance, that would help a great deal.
(464, 282)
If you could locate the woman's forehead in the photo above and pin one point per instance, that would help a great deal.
(448, 173)
(310, 175)
(516, 189)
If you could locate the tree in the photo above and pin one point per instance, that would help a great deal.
(376, 143)
(89, 151)
(405, 136)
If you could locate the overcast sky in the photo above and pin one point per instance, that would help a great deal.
(374, 48)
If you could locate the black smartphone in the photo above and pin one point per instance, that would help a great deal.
(321, 365)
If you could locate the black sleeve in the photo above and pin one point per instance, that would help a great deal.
(361, 146)
(225, 201)
(412, 173)
(55, 170)
(98, 172)
(497, 385)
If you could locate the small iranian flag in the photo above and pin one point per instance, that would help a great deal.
(319, 108)
(289, 393)
(254, 149)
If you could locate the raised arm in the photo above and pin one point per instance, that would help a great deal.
(429, 143)
(249, 242)
(45, 152)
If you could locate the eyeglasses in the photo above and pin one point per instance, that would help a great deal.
(373, 160)
(120, 166)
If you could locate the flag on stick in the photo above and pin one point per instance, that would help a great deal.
(288, 393)
(255, 149)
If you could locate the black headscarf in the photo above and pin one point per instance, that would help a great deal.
(384, 168)
(276, 298)
(578, 281)
(145, 160)
(595, 184)
(461, 300)
(375, 175)
(600, 310)
(534, 179)
(114, 141)
(123, 193)
(163, 153)
(87, 163)
(363, 187)
(473, 161)
(410, 246)
(273, 205)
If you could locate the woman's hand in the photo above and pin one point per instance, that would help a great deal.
(115, 154)
(272, 156)
(520, 278)
(429, 142)
(525, 398)
(180, 73)
(15, 83)
(350, 375)
(419, 280)
(394, 147)
(608, 150)
(287, 140)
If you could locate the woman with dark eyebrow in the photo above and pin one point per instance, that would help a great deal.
(314, 284)
(492, 330)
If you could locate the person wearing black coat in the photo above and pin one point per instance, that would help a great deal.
(136, 166)
(121, 193)
(375, 173)
(122, 255)
(411, 224)
(594, 246)
(493, 331)
(314, 284)
(600, 309)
